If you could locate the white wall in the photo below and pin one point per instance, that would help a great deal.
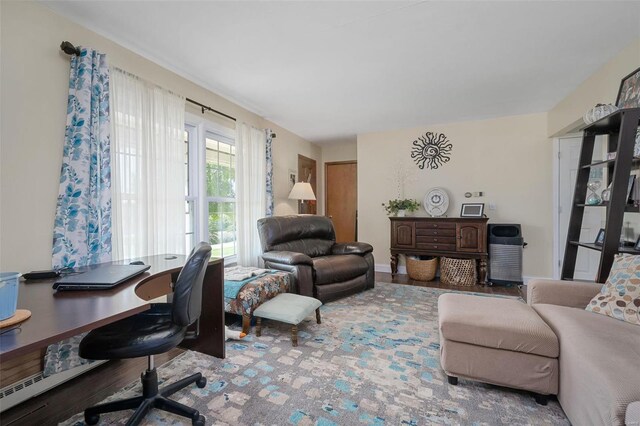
(286, 147)
(509, 159)
(601, 87)
(34, 80)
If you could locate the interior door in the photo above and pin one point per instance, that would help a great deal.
(588, 260)
(341, 203)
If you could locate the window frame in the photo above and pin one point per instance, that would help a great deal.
(199, 128)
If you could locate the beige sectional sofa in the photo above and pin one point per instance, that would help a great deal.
(599, 362)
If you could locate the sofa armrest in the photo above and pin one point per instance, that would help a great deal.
(351, 248)
(287, 258)
(563, 293)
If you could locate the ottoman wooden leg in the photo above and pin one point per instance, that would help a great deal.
(294, 335)
(318, 319)
(258, 326)
(452, 380)
(246, 323)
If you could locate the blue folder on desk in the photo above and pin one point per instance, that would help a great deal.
(99, 277)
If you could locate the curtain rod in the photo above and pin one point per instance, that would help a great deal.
(70, 49)
(208, 108)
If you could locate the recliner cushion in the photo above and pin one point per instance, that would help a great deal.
(338, 268)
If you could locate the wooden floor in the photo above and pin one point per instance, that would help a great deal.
(514, 290)
(74, 396)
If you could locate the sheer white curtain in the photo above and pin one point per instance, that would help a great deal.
(251, 191)
(148, 157)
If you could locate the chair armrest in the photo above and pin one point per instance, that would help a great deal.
(563, 293)
(351, 248)
(287, 258)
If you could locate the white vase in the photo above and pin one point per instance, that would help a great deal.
(401, 213)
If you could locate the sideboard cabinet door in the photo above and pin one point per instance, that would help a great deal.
(470, 237)
(403, 234)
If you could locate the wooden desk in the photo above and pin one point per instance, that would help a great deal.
(59, 315)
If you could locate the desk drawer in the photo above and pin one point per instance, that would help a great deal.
(435, 225)
(435, 239)
(436, 232)
(438, 246)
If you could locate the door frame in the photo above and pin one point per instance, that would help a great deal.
(326, 190)
(557, 253)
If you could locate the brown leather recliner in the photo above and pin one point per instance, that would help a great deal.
(306, 246)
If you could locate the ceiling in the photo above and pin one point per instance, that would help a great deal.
(330, 70)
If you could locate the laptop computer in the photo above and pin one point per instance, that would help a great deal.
(100, 277)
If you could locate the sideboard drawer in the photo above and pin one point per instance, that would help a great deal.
(435, 225)
(438, 246)
(435, 239)
(436, 232)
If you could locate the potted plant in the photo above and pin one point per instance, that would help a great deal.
(398, 207)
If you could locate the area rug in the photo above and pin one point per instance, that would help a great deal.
(374, 360)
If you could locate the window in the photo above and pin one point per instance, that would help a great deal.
(210, 200)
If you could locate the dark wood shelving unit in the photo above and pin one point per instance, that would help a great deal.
(621, 130)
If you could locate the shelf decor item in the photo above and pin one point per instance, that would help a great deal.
(593, 199)
(436, 202)
(629, 93)
(399, 207)
(598, 111)
(606, 194)
(599, 238)
(432, 149)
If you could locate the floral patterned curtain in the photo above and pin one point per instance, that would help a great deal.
(82, 227)
(269, 211)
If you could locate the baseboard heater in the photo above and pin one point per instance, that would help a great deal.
(18, 392)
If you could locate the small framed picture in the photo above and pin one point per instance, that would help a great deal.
(637, 245)
(600, 238)
(629, 93)
(472, 210)
(293, 178)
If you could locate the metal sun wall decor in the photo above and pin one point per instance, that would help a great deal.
(432, 149)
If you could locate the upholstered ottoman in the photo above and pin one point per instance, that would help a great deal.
(499, 341)
(288, 308)
(254, 293)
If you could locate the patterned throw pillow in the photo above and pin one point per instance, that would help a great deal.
(620, 295)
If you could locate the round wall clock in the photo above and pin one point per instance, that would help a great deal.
(436, 202)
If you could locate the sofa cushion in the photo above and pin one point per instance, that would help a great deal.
(338, 268)
(309, 234)
(599, 359)
(620, 296)
(495, 322)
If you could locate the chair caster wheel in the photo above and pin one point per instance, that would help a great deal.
(199, 421)
(202, 382)
(92, 419)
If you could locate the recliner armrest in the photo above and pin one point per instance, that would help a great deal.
(351, 248)
(287, 258)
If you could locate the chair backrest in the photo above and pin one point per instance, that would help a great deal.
(308, 234)
(187, 291)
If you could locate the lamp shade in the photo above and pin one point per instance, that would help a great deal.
(302, 191)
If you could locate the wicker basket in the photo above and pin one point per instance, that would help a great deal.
(458, 271)
(422, 270)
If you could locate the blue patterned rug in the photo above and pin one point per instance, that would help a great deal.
(374, 360)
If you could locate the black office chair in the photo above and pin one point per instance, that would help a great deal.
(154, 331)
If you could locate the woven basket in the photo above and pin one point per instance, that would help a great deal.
(422, 270)
(458, 271)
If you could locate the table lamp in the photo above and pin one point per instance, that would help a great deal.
(302, 191)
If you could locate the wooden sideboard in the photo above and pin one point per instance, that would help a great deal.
(455, 237)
